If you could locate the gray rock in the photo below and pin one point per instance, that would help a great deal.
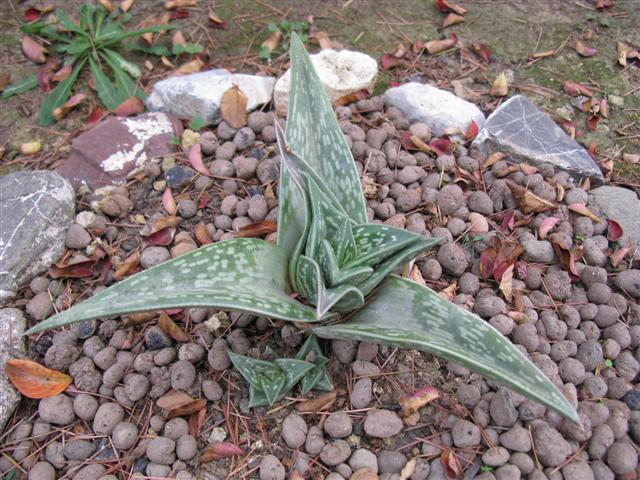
(622, 458)
(629, 281)
(107, 417)
(465, 434)
(436, 108)
(527, 134)
(199, 94)
(161, 450)
(363, 458)
(294, 430)
(57, 409)
(361, 394)
(335, 453)
(496, 456)
(42, 471)
(271, 468)
(382, 423)
(338, 425)
(551, 448)
(622, 205)
(124, 435)
(36, 209)
(12, 325)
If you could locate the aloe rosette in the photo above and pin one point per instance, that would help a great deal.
(339, 265)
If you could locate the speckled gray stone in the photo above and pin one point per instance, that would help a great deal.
(12, 324)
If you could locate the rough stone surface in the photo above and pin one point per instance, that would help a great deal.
(117, 148)
(341, 73)
(199, 94)
(12, 324)
(36, 209)
(519, 129)
(622, 205)
(436, 108)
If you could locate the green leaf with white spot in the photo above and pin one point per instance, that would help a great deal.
(318, 377)
(294, 369)
(376, 242)
(405, 314)
(272, 385)
(247, 275)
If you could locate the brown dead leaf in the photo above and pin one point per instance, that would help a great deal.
(61, 112)
(437, 46)
(168, 202)
(449, 293)
(196, 420)
(171, 329)
(546, 53)
(506, 283)
(34, 380)
(631, 157)
(33, 50)
(492, 159)
(5, 80)
(416, 276)
(420, 145)
(160, 224)
(271, 43)
(233, 107)
(202, 234)
(323, 40)
(567, 257)
(193, 66)
(618, 256)
(452, 19)
(625, 52)
(131, 106)
(217, 22)
(109, 7)
(173, 4)
(188, 409)
(128, 266)
(173, 399)
(445, 6)
(352, 98)
(582, 209)
(413, 403)
(125, 5)
(583, 50)
(529, 201)
(500, 86)
(450, 463)
(321, 403)
(138, 318)
(258, 229)
(574, 89)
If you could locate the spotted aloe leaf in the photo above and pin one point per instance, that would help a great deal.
(239, 274)
(317, 378)
(405, 314)
(314, 134)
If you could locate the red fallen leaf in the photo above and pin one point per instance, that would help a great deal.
(444, 6)
(437, 46)
(592, 150)
(195, 157)
(394, 84)
(442, 146)
(449, 293)
(33, 50)
(419, 399)
(507, 256)
(218, 451)
(568, 126)
(46, 74)
(418, 46)
(602, 4)
(400, 51)
(179, 14)
(161, 237)
(472, 130)
(604, 108)
(614, 230)
(131, 106)
(196, 420)
(34, 380)
(617, 257)
(450, 463)
(173, 399)
(506, 283)
(388, 61)
(79, 269)
(592, 122)
(233, 107)
(573, 89)
(178, 39)
(583, 50)
(5, 80)
(217, 22)
(128, 266)
(63, 73)
(452, 19)
(204, 200)
(172, 311)
(546, 226)
(258, 229)
(96, 114)
(168, 326)
(487, 259)
(482, 51)
(625, 52)
(508, 221)
(567, 258)
(168, 202)
(582, 209)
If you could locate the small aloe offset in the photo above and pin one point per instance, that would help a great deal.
(330, 269)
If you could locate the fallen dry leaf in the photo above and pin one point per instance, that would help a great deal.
(442, 146)
(506, 283)
(492, 159)
(173, 399)
(178, 38)
(574, 89)
(529, 201)
(546, 226)
(508, 253)
(416, 142)
(603, 4)
(196, 420)
(171, 329)
(271, 43)
(482, 50)
(352, 98)
(449, 292)
(32, 14)
(168, 202)
(625, 52)
(364, 474)
(128, 266)
(195, 158)
(631, 157)
(408, 470)
(472, 131)
(388, 61)
(5, 80)
(500, 86)
(614, 230)
(321, 403)
(452, 19)
(217, 22)
(63, 73)
(450, 463)
(416, 276)
(131, 106)
(107, 5)
(444, 6)
(201, 233)
(34, 380)
(218, 451)
(420, 398)
(257, 229)
(583, 50)
(173, 4)
(233, 107)
(30, 148)
(125, 5)
(188, 409)
(618, 255)
(33, 50)
(567, 257)
(193, 66)
(61, 112)
(545, 54)
(604, 108)
(582, 209)
(437, 46)
(323, 40)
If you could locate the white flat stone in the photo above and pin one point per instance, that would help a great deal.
(12, 325)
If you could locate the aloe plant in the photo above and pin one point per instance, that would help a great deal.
(330, 269)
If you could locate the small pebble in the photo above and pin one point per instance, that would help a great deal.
(271, 468)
